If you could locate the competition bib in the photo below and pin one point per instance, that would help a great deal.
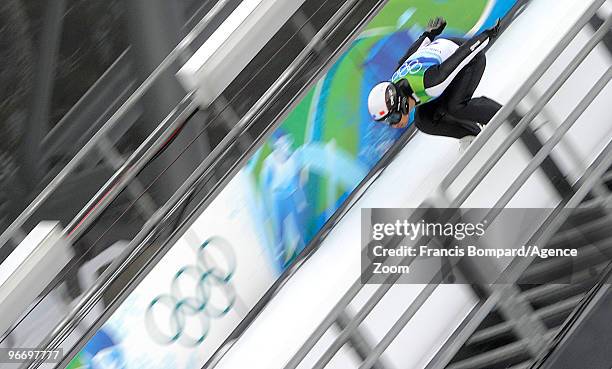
(413, 69)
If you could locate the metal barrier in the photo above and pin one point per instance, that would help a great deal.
(540, 234)
(552, 223)
(15, 229)
(126, 170)
(131, 167)
(159, 221)
(533, 112)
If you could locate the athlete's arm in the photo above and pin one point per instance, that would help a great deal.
(425, 39)
(434, 28)
(437, 78)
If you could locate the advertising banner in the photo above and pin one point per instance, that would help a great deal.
(191, 301)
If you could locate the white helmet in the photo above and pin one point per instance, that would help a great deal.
(382, 100)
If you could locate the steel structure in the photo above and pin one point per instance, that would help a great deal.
(97, 141)
(167, 222)
(505, 296)
(318, 54)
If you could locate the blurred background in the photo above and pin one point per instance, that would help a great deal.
(149, 140)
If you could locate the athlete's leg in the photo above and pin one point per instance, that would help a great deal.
(479, 109)
(457, 100)
(430, 120)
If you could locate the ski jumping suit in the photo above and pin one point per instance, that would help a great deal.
(442, 76)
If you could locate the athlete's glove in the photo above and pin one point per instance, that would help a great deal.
(493, 32)
(435, 26)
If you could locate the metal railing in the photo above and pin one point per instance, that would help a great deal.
(111, 90)
(540, 235)
(14, 230)
(513, 272)
(130, 168)
(164, 218)
(126, 170)
(533, 112)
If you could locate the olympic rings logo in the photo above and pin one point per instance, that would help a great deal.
(409, 67)
(185, 318)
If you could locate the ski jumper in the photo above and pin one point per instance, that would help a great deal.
(442, 75)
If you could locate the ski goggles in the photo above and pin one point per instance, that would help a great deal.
(393, 118)
(393, 101)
